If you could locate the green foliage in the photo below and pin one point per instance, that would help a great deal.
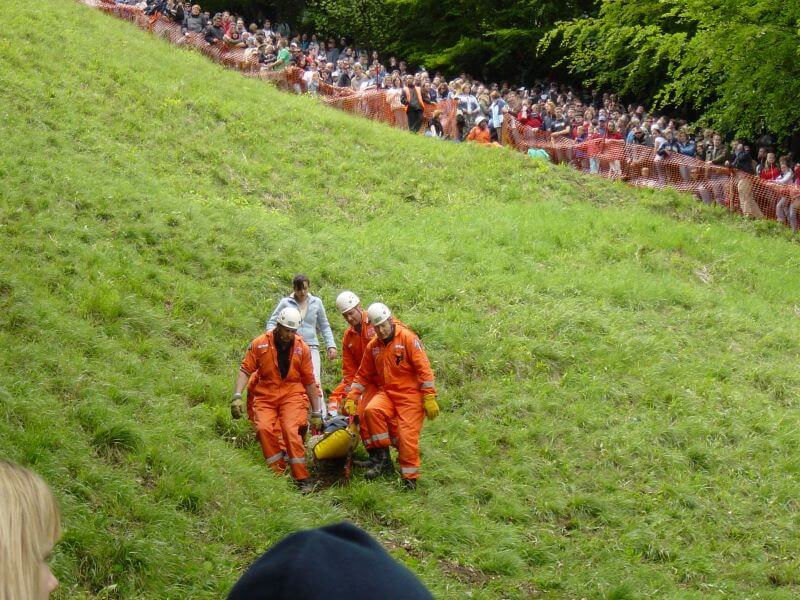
(370, 22)
(735, 62)
(616, 367)
(489, 39)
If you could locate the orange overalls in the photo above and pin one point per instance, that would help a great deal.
(354, 343)
(280, 405)
(402, 374)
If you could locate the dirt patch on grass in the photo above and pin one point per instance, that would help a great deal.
(463, 573)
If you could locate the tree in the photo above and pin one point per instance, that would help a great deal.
(489, 39)
(368, 22)
(735, 61)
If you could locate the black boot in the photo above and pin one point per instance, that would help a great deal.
(410, 485)
(382, 465)
(306, 486)
(366, 464)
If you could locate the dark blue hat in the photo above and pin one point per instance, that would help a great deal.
(335, 562)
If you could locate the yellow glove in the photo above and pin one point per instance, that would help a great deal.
(350, 404)
(431, 407)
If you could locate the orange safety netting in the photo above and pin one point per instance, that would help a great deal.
(637, 165)
(641, 166)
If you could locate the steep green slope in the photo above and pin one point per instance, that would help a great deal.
(617, 368)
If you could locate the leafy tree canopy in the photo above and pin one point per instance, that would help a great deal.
(734, 61)
(488, 39)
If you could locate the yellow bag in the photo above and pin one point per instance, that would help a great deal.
(336, 444)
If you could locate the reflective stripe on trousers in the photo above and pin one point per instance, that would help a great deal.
(275, 458)
(378, 436)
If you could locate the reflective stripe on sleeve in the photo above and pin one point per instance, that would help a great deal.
(358, 386)
(426, 384)
(297, 461)
(379, 436)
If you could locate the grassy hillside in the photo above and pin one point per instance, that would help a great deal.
(617, 368)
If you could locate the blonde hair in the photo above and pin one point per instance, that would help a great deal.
(29, 527)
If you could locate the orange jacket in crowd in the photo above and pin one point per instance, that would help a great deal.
(480, 136)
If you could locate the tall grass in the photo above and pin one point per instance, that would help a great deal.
(617, 368)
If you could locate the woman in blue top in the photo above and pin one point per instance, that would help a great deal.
(313, 314)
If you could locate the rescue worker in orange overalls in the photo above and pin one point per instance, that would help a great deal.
(355, 340)
(396, 364)
(285, 384)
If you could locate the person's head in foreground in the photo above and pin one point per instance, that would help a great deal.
(283, 571)
(29, 528)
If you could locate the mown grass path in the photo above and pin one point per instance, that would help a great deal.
(617, 368)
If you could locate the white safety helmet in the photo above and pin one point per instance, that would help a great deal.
(289, 317)
(377, 313)
(480, 120)
(346, 301)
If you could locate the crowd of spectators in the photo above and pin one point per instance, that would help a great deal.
(559, 112)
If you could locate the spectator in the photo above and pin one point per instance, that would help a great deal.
(716, 153)
(670, 144)
(529, 117)
(414, 102)
(761, 158)
(251, 49)
(29, 528)
(480, 132)
(194, 21)
(393, 97)
(785, 179)
(497, 111)
(267, 29)
(581, 156)
(282, 59)
(266, 55)
(770, 171)
(742, 159)
(343, 73)
(233, 39)
(314, 318)
(311, 80)
(593, 145)
(614, 150)
(435, 128)
(559, 132)
(359, 77)
(175, 11)
(214, 32)
(443, 91)
(685, 145)
(468, 105)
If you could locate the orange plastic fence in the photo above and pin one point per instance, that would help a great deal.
(641, 166)
(638, 165)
